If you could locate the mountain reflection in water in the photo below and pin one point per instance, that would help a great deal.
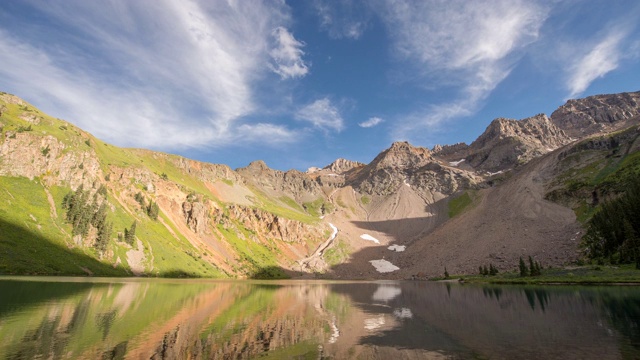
(78, 318)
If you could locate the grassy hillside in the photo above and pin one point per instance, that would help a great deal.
(44, 158)
(596, 169)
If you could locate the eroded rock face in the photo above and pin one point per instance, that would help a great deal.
(406, 165)
(205, 171)
(31, 155)
(593, 114)
(507, 143)
(268, 225)
(446, 151)
(196, 215)
(293, 183)
(341, 166)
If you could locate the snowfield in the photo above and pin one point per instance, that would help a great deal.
(456, 163)
(383, 266)
(397, 248)
(369, 238)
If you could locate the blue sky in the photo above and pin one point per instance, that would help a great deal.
(301, 83)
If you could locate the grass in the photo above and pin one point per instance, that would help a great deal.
(338, 253)
(30, 241)
(257, 260)
(365, 200)
(588, 274)
(317, 207)
(40, 247)
(291, 203)
(265, 203)
(460, 203)
(166, 254)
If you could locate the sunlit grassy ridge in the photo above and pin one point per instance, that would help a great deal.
(165, 248)
(606, 171)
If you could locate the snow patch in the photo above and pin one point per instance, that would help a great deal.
(403, 313)
(406, 183)
(369, 238)
(386, 293)
(374, 323)
(397, 248)
(334, 233)
(496, 173)
(383, 266)
(456, 163)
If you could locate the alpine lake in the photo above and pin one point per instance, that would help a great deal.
(141, 318)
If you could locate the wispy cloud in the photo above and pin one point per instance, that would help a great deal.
(470, 46)
(264, 133)
(287, 55)
(158, 74)
(343, 19)
(322, 114)
(373, 121)
(600, 59)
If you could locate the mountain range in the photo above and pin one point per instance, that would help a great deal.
(72, 204)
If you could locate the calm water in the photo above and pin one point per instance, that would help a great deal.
(78, 318)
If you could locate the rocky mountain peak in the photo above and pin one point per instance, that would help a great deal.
(401, 154)
(507, 142)
(593, 114)
(341, 166)
(257, 165)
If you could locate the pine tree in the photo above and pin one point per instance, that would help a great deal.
(152, 210)
(130, 234)
(480, 270)
(532, 267)
(492, 270)
(446, 273)
(485, 271)
(104, 235)
(140, 199)
(523, 269)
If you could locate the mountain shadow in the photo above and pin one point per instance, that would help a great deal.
(25, 252)
(403, 231)
(273, 273)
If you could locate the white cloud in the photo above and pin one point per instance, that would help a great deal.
(322, 114)
(158, 74)
(602, 58)
(371, 122)
(470, 46)
(266, 133)
(343, 19)
(287, 55)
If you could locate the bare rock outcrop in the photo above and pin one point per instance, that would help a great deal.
(446, 151)
(594, 114)
(32, 155)
(508, 143)
(268, 225)
(406, 165)
(293, 183)
(341, 166)
(196, 215)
